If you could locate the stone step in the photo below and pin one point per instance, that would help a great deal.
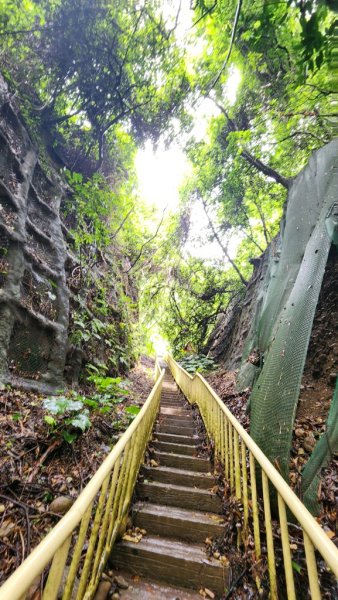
(179, 411)
(167, 421)
(179, 477)
(167, 426)
(179, 419)
(176, 448)
(145, 589)
(176, 563)
(175, 412)
(175, 522)
(180, 461)
(188, 440)
(179, 495)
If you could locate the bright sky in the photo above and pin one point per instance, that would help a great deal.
(161, 173)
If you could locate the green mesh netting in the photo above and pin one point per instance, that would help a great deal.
(326, 446)
(283, 326)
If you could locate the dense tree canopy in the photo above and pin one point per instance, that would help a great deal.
(256, 141)
(98, 79)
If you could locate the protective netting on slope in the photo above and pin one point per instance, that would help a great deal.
(283, 323)
(326, 446)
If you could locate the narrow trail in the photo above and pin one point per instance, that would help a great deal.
(178, 509)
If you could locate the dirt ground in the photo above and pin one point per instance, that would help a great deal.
(37, 467)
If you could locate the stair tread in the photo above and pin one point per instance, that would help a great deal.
(172, 445)
(170, 436)
(196, 458)
(176, 471)
(144, 589)
(178, 508)
(193, 516)
(166, 547)
(174, 487)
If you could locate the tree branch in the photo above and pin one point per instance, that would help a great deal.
(145, 244)
(252, 160)
(113, 236)
(221, 245)
(205, 14)
(232, 39)
(266, 169)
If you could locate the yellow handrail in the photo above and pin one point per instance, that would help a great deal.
(240, 455)
(93, 523)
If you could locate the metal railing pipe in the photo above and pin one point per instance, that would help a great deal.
(315, 536)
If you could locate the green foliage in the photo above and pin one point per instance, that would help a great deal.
(255, 142)
(83, 101)
(67, 415)
(99, 78)
(197, 363)
(132, 410)
(17, 416)
(61, 404)
(109, 385)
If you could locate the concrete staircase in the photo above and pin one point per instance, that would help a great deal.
(178, 509)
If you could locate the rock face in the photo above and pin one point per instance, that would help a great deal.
(34, 298)
(57, 311)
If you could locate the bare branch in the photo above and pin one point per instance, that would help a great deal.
(221, 245)
(145, 243)
(232, 39)
(113, 236)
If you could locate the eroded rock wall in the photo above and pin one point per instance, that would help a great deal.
(34, 298)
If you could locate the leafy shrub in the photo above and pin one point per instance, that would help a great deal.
(109, 385)
(67, 414)
(197, 363)
(71, 414)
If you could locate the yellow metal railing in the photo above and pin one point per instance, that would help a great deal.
(241, 456)
(78, 547)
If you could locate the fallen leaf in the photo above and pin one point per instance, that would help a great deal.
(216, 518)
(129, 538)
(330, 534)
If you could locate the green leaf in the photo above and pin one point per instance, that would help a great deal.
(296, 567)
(80, 421)
(60, 405)
(91, 403)
(50, 420)
(69, 437)
(132, 410)
(16, 416)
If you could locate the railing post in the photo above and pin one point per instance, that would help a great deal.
(56, 571)
(290, 584)
(269, 537)
(228, 435)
